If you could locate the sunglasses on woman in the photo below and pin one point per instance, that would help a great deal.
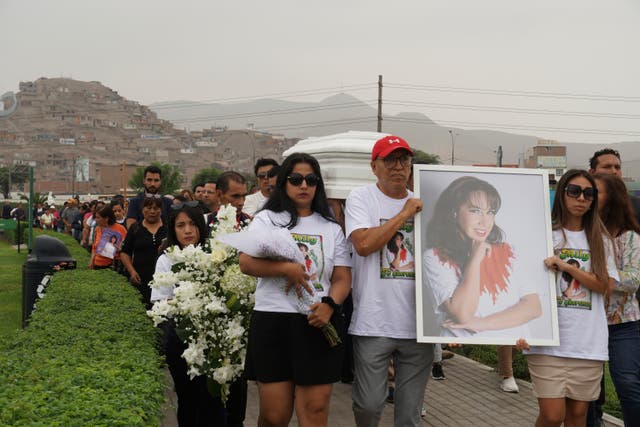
(296, 179)
(574, 191)
(180, 205)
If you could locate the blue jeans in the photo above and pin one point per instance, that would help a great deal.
(624, 366)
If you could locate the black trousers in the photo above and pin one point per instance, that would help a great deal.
(196, 406)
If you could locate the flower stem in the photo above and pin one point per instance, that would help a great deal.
(331, 334)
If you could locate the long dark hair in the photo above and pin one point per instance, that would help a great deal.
(591, 223)
(617, 213)
(457, 246)
(196, 215)
(279, 201)
(391, 244)
(107, 213)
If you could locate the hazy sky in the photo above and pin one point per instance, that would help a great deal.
(161, 50)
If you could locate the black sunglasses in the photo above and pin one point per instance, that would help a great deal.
(574, 191)
(180, 205)
(262, 175)
(296, 179)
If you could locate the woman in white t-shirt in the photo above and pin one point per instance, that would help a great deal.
(567, 377)
(287, 352)
(196, 406)
(470, 271)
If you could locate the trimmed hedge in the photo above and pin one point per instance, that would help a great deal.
(11, 236)
(88, 356)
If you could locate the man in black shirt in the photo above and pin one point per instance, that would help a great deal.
(151, 182)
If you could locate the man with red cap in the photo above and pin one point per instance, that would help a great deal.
(379, 222)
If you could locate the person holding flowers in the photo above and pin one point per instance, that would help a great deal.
(196, 406)
(288, 353)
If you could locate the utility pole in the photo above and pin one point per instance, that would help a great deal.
(380, 103)
(73, 178)
(453, 145)
(124, 179)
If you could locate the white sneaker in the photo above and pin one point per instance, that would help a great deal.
(508, 385)
(423, 411)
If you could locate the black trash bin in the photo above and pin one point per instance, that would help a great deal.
(48, 256)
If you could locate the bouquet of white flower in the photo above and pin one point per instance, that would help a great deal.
(276, 243)
(211, 306)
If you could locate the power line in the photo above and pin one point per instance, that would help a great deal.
(320, 124)
(512, 110)
(605, 132)
(223, 116)
(210, 101)
(276, 112)
(520, 93)
(291, 94)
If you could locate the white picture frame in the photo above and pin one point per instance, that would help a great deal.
(513, 272)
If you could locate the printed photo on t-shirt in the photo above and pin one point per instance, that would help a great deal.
(397, 256)
(313, 252)
(570, 292)
(109, 243)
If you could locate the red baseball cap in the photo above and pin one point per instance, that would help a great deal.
(385, 146)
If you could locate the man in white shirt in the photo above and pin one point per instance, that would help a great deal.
(255, 201)
(383, 324)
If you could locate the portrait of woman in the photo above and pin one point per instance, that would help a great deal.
(309, 264)
(573, 290)
(398, 255)
(470, 271)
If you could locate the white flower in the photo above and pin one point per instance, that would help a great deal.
(216, 306)
(163, 280)
(194, 356)
(218, 254)
(206, 283)
(234, 280)
(234, 329)
(160, 311)
(224, 373)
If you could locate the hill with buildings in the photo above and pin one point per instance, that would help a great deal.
(61, 125)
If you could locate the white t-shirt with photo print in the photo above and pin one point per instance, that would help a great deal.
(384, 300)
(582, 321)
(326, 248)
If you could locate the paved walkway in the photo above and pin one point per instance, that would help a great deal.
(470, 396)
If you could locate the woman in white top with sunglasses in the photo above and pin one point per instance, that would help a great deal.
(566, 378)
(287, 352)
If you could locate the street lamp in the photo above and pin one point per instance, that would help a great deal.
(453, 144)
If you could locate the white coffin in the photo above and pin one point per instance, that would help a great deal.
(345, 159)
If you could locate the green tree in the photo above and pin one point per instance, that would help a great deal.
(422, 158)
(40, 198)
(171, 178)
(206, 174)
(11, 176)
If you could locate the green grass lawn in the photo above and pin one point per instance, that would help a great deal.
(10, 288)
(487, 355)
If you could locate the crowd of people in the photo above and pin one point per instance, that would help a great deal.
(364, 272)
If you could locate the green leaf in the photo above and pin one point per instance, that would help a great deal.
(177, 267)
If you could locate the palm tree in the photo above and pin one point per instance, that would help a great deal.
(38, 198)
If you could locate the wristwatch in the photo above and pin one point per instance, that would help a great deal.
(331, 303)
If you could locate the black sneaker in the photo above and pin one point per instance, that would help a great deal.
(391, 395)
(437, 373)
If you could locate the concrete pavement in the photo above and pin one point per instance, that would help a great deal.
(470, 396)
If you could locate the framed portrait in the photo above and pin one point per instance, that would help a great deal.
(480, 242)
